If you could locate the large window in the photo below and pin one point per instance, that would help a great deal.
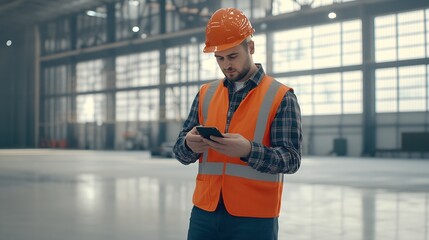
(330, 45)
(251, 8)
(260, 55)
(140, 105)
(136, 19)
(327, 94)
(183, 64)
(402, 36)
(209, 69)
(55, 36)
(137, 70)
(282, 6)
(402, 89)
(179, 101)
(56, 109)
(56, 80)
(91, 27)
(55, 118)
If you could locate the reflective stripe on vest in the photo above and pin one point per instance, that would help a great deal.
(245, 171)
(237, 170)
(208, 97)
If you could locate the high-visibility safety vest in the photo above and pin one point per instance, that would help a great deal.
(246, 192)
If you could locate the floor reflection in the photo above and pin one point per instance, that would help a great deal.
(337, 212)
(108, 197)
(155, 208)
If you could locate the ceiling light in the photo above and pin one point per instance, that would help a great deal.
(135, 29)
(134, 3)
(91, 13)
(9, 43)
(332, 15)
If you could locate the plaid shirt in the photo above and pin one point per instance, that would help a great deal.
(284, 155)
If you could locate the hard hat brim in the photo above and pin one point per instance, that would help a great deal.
(222, 47)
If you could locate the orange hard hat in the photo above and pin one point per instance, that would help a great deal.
(227, 28)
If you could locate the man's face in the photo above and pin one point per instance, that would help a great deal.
(235, 62)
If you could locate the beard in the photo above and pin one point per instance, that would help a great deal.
(240, 76)
(236, 75)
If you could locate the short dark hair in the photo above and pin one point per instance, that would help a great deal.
(245, 41)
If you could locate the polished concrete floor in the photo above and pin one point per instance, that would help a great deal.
(65, 194)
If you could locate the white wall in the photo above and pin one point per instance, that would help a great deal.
(319, 133)
(390, 126)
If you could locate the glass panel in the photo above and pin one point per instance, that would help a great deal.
(303, 90)
(326, 45)
(292, 50)
(90, 108)
(140, 105)
(55, 36)
(186, 98)
(387, 106)
(386, 90)
(89, 76)
(352, 92)
(427, 31)
(260, 55)
(137, 70)
(179, 101)
(183, 64)
(56, 80)
(411, 35)
(386, 55)
(209, 69)
(329, 45)
(326, 94)
(281, 6)
(137, 19)
(91, 28)
(172, 102)
(385, 38)
(407, 92)
(148, 105)
(352, 43)
(400, 36)
(412, 89)
(121, 106)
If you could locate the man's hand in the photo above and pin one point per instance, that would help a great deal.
(195, 141)
(232, 144)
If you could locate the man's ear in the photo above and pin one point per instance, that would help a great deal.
(251, 45)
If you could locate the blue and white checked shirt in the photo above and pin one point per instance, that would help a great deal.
(284, 155)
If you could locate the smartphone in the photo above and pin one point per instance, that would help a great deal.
(206, 132)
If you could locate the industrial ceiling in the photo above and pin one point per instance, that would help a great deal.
(16, 13)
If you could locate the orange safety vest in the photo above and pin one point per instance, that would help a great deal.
(246, 192)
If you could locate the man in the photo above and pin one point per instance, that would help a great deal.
(240, 178)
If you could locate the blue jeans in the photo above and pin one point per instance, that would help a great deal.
(220, 225)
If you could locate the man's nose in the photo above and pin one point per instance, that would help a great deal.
(227, 64)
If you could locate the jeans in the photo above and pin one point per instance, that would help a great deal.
(220, 225)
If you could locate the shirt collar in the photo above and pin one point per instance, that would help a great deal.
(256, 77)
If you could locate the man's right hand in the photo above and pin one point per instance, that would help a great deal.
(195, 141)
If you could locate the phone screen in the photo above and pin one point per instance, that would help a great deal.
(206, 132)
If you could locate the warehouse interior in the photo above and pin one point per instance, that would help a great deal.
(93, 94)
